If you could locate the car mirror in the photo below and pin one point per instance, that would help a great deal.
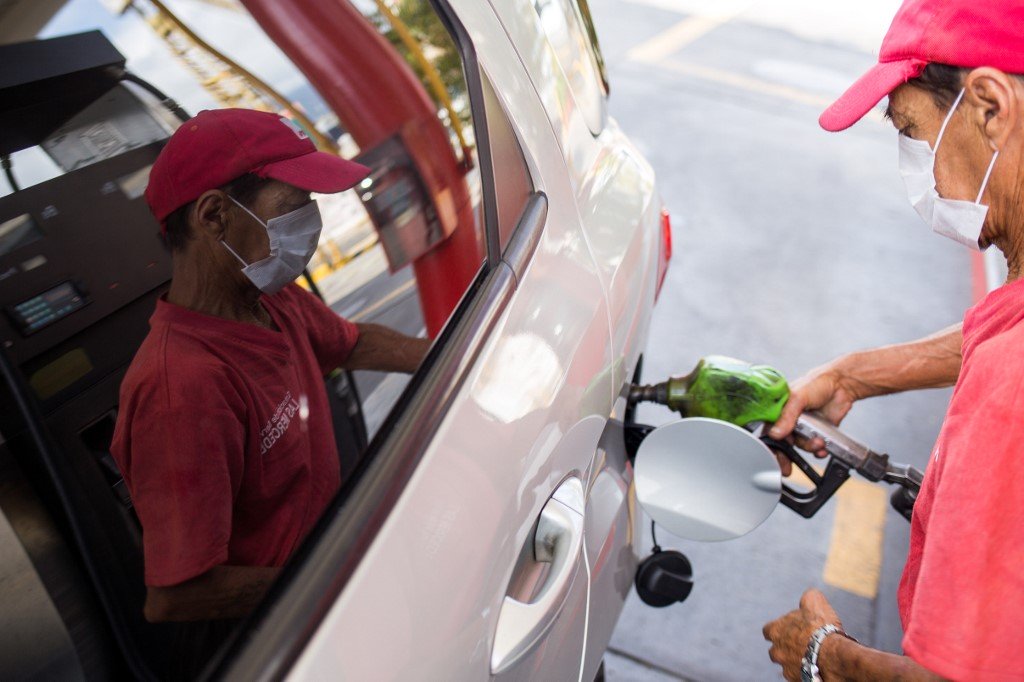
(705, 479)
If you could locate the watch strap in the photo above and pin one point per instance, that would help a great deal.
(809, 671)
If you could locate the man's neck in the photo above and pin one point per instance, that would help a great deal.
(202, 286)
(1012, 247)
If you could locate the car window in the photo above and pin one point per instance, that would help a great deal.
(583, 7)
(513, 184)
(570, 31)
(377, 260)
(400, 250)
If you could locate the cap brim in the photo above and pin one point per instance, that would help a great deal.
(868, 91)
(316, 172)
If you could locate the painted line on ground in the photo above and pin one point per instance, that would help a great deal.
(657, 50)
(681, 34)
(854, 559)
(698, 7)
(756, 85)
(365, 313)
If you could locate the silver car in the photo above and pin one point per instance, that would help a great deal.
(488, 526)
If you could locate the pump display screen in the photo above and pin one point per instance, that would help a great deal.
(48, 307)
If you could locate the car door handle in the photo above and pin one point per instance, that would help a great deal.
(558, 540)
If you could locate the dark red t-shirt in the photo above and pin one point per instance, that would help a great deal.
(962, 593)
(224, 434)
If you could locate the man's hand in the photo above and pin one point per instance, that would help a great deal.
(791, 633)
(839, 658)
(824, 390)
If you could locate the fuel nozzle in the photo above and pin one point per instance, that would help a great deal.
(744, 394)
(721, 388)
(850, 453)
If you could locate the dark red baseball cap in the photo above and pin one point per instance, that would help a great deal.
(964, 33)
(216, 146)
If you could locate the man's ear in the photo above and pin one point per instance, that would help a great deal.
(210, 214)
(997, 103)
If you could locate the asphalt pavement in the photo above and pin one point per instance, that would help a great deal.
(792, 246)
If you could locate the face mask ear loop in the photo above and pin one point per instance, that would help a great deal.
(988, 174)
(949, 116)
(233, 252)
(239, 205)
(228, 246)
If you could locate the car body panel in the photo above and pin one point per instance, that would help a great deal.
(614, 187)
(620, 213)
(535, 409)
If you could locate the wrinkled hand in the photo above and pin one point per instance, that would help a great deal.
(822, 390)
(791, 633)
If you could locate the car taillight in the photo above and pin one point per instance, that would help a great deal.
(664, 250)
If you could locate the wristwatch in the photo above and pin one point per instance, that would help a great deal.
(809, 666)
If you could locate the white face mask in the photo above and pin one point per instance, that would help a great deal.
(293, 240)
(959, 220)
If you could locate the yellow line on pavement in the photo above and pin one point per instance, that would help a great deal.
(363, 314)
(750, 84)
(657, 50)
(742, 82)
(674, 39)
(854, 561)
(679, 35)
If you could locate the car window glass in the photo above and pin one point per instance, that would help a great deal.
(583, 7)
(570, 32)
(377, 255)
(513, 184)
(399, 250)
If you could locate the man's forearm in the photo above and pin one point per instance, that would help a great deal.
(382, 348)
(221, 592)
(843, 659)
(931, 362)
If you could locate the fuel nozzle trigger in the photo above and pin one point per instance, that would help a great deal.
(826, 483)
(845, 454)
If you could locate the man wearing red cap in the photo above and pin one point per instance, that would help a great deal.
(224, 434)
(951, 69)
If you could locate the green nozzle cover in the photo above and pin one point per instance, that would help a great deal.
(730, 390)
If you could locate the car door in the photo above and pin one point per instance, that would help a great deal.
(620, 214)
(481, 568)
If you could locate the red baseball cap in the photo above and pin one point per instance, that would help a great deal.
(964, 33)
(216, 146)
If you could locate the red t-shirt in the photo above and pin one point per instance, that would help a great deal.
(962, 593)
(224, 434)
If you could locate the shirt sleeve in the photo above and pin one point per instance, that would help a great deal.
(967, 616)
(331, 336)
(183, 466)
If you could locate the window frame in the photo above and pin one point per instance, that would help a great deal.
(272, 639)
(587, 20)
(510, 140)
